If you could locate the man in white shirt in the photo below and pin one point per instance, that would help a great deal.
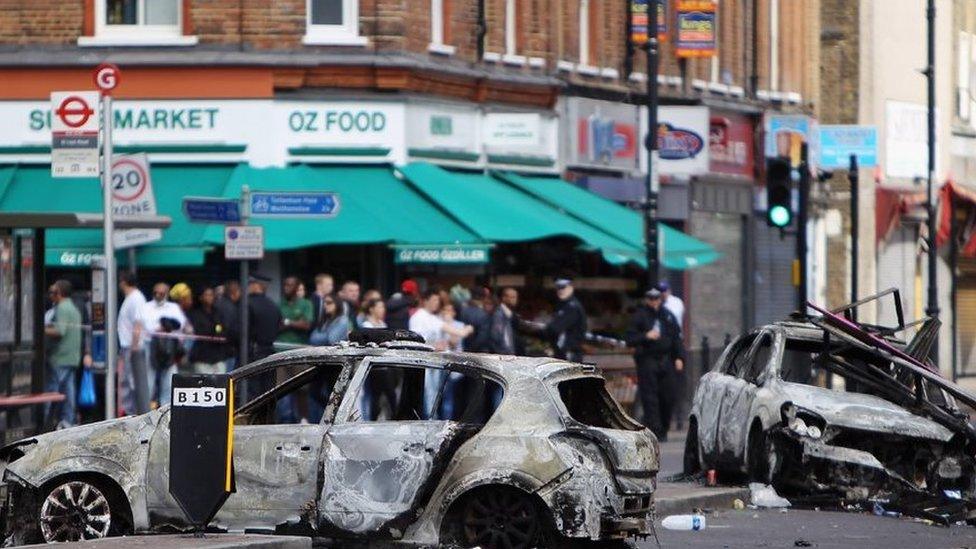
(160, 375)
(672, 303)
(134, 387)
(426, 322)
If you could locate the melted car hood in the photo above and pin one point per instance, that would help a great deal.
(863, 412)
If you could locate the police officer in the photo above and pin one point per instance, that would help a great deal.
(656, 337)
(567, 328)
(264, 324)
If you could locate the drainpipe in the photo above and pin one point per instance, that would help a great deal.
(482, 29)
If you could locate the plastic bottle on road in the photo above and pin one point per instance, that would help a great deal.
(684, 522)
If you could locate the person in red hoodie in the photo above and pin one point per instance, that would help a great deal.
(402, 305)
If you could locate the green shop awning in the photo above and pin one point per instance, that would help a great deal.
(678, 250)
(32, 189)
(375, 208)
(498, 212)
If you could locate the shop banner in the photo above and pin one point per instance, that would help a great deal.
(681, 140)
(786, 133)
(639, 21)
(435, 127)
(696, 28)
(444, 255)
(906, 139)
(512, 129)
(838, 143)
(602, 133)
(731, 143)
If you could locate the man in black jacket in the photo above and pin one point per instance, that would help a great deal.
(567, 329)
(659, 354)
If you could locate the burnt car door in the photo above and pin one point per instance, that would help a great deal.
(713, 388)
(380, 469)
(740, 391)
(276, 459)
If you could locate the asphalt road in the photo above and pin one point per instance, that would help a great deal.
(772, 528)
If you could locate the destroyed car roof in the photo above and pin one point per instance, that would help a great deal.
(505, 366)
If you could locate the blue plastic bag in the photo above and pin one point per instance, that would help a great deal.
(86, 392)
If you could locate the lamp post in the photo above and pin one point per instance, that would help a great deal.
(932, 309)
(653, 177)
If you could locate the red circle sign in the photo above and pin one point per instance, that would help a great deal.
(74, 111)
(128, 180)
(107, 76)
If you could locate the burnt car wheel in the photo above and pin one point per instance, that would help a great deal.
(76, 510)
(499, 517)
(760, 456)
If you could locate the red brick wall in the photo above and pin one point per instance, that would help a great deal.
(42, 22)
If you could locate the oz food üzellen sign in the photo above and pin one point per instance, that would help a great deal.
(74, 134)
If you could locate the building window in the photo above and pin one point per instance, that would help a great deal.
(588, 34)
(137, 23)
(511, 34)
(333, 23)
(440, 27)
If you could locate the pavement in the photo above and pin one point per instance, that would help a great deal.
(188, 541)
(807, 528)
(675, 498)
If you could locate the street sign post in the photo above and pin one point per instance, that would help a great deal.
(201, 444)
(201, 209)
(244, 242)
(74, 134)
(294, 204)
(133, 197)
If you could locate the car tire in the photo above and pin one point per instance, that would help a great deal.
(499, 516)
(81, 508)
(692, 454)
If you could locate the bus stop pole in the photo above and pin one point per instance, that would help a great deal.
(110, 286)
(245, 275)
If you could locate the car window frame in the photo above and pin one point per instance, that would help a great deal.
(312, 363)
(763, 373)
(734, 350)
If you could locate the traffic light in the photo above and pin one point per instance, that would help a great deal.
(779, 183)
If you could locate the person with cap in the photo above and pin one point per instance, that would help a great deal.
(672, 302)
(402, 305)
(264, 322)
(567, 329)
(656, 337)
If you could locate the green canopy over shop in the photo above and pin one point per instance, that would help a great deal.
(678, 250)
(32, 189)
(498, 212)
(374, 207)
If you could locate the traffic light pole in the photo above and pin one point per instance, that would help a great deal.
(801, 228)
(853, 176)
(653, 177)
(932, 309)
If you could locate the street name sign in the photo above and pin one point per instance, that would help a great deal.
(294, 204)
(74, 134)
(201, 444)
(133, 197)
(839, 142)
(211, 210)
(244, 242)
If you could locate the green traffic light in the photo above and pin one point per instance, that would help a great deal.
(779, 216)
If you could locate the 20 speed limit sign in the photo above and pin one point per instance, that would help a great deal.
(132, 197)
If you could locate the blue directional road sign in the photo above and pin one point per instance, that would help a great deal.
(212, 210)
(838, 143)
(294, 204)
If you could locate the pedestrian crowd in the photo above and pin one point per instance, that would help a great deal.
(199, 331)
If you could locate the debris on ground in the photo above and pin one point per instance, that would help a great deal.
(802, 543)
(684, 522)
(764, 495)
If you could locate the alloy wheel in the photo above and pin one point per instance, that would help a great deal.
(75, 511)
(500, 518)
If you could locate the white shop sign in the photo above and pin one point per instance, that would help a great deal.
(906, 139)
(682, 140)
(443, 127)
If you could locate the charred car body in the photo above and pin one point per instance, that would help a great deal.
(536, 451)
(890, 428)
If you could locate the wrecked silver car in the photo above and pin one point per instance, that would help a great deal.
(537, 451)
(824, 406)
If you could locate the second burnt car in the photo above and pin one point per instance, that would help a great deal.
(530, 451)
(824, 406)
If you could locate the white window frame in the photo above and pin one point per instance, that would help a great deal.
(774, 45)
(584, 66)
(437, 24)
(715, 68)
(346, 34)
(511, 56)
(138, 34)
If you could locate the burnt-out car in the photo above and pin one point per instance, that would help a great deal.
(824, 406)
(512, 451)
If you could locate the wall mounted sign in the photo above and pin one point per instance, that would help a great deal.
(696, 28)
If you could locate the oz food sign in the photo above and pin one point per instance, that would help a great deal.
(442, 254)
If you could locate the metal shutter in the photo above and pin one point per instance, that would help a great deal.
(966, 317)
(773, 274)
(715, 290)
(896, 269)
